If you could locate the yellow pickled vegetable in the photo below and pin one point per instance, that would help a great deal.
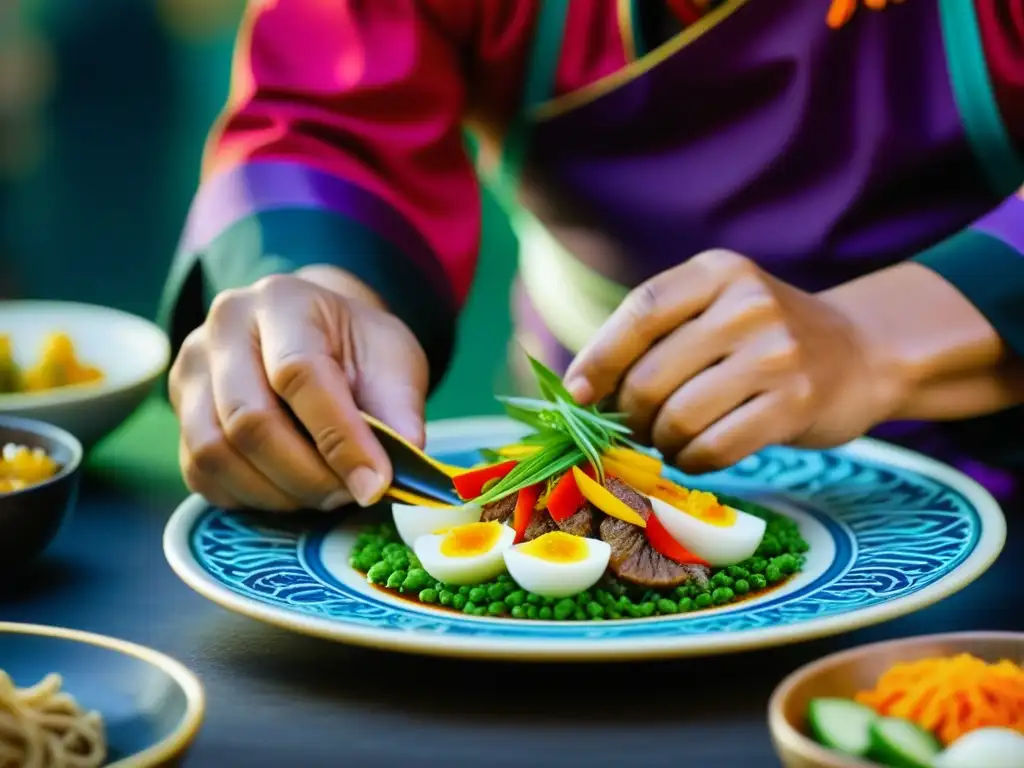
(21, 467)
(58, 366)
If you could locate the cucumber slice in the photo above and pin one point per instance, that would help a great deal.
(842, 725)
(902, 744)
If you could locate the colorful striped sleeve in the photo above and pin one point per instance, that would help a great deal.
(341, 144)
(985, 262)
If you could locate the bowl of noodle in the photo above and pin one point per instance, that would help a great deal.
(71, 699)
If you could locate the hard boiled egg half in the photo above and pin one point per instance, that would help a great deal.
(718, 534)
(557, 564)
(465, 554)
(413, 521)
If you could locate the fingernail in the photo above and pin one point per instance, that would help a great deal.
(580, 389)
(335, 500)
(366, 485)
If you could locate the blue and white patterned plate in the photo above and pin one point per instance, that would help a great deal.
(890, 532)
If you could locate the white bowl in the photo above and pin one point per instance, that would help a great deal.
(132, 353)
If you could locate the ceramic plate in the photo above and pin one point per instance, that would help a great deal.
(890, 532)
(152, 706)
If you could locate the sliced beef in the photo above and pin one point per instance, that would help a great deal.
(540, 523)
(583, 523)
(632, 558)
(499, 511)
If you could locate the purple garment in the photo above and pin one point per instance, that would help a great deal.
(821, 154)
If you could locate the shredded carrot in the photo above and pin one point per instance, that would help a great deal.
(841, 11)
(951, 696)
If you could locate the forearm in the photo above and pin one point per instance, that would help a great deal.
(933, 353)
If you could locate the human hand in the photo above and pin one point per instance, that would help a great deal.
(324, 353)
(715, 359)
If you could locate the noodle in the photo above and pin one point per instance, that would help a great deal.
(44, 727)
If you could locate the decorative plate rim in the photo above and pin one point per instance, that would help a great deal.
(175, 743)
(991, 539)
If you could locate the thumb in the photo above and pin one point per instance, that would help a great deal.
(391, 376)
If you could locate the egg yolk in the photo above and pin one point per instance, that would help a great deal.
(556, 547)
(470, 540)
(707, 508)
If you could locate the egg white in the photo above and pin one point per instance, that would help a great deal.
(718, 545)
(985, 747)
(556, 580)
(463, 570)
(413, 521)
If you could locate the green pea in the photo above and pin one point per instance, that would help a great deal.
(786, 563)
(445, 597)
(604, 597)
(504, 578)
(772, 573)
(667, 606)
(395, 579)
(703, 600)
(518, 612)
(464, 590)
(584, 597)
(459, 602)
(685, 605)
(496, 608)
(722, 595)
(480, 610)
(579, 614)
(533, 599)
(769, 546)
(564, 609)
(726, 580)
(758, 581)
(416, 580)
(682, 592)
(478, 594)
(737, 571)
(469, 607)
(545, 613)
(532, 611)
(516, 598)
(428, 596)
(647, 608)
(758, 564)
(742, 586)
(594, 610)
(379, 573)
(496, 591)
(612, 613)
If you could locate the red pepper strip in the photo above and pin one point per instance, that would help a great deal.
(525, 504)
(663, 543)
(566, 499)
(470, 483)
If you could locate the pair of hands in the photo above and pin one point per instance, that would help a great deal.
(712, 360)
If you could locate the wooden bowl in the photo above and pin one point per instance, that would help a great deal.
(844, 674)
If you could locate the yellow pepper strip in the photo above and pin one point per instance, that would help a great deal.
(517, 451)
(641, 480)
(405, 497)
(635, 459)
(604, 500)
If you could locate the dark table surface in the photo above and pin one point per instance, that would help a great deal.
(278, 699)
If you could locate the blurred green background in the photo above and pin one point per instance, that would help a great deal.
(104, 108)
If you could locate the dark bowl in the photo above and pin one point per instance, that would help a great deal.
(30, 518)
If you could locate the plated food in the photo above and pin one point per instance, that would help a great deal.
(81, 367)
(58, 366)
(44, 726)
(72, 699)
(576, 522)
(944, 712)
(22, 467)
